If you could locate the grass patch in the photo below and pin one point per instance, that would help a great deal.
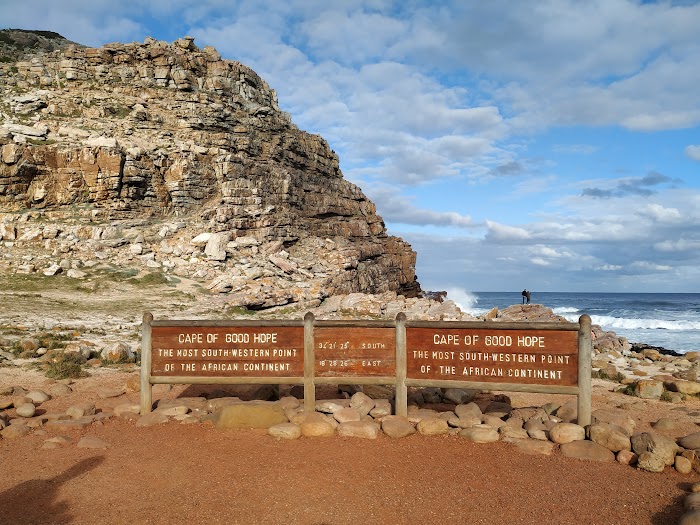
(65, 366)
(235, 311)
(150, 279)
(54, 340)
(666, 396)
(618, 377)
(41, 142)
(116, 274)
(628, 390)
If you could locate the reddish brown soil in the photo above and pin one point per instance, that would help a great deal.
(196, 474)
(177, 473)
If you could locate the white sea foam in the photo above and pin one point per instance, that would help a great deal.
(563, 310)
(608, 322)
(466, 301)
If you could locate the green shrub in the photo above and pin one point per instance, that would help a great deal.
(65, 366)
(602, 374)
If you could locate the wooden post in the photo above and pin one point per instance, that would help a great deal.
(401, 397)
(146, 392)
(585, 347)
(309, 364)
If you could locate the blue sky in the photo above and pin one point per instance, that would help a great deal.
(553, 145)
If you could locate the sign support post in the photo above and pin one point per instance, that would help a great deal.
(146, 392)
(585, 346)
(401, 396)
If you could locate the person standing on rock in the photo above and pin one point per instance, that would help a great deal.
(526, 296)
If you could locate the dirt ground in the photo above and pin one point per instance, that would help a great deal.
(194, 473)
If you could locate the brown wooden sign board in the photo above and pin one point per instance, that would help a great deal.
(220, 351)
(354, 352)
(524, 357)
(542, 357)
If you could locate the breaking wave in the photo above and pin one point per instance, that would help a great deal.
(466, 301)
(563, 310)
(643, 324)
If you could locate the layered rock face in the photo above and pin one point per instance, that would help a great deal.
(171, 132)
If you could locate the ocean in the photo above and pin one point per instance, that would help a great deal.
(669, 320)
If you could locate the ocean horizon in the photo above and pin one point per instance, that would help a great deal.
(668, 320)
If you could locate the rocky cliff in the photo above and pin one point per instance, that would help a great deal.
(168, 156)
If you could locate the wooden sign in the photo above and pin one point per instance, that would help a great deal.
(540, 357)
(227, 351)
(354, 351)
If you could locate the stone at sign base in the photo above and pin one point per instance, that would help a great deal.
(359, 429)
(397, 427)
(285, 431)
(533, 446)
(250, 415)
(587, 450)
(690, 518)
(651, 462)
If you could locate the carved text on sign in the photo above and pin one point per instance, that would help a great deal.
(357, 351)
(227, 351)
(547, 357)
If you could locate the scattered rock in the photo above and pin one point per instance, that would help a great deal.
(150, 419)
(566, 433)
(480, 434)
(534, 447)
(691, 441)
(690, 518)
(432, 426)
(627, 457)
(661, 446)
(683, 465)
(397, 427)
(313, 427)
(26, 410)
(81, 410)
(14, 431)
(260, 414)
(38, 396)
(92, 442)
(107, 392)
(359, 429)
(649, 389)
(651, 462)
(608, 436)
(586, 450)
(285, 431)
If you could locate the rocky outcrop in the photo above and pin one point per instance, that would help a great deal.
(158, 130)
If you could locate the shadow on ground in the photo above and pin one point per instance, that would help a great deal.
(19, 506)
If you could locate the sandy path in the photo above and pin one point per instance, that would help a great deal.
(195, 473)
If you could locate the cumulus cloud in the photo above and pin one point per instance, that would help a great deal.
(662, 214)
(503, 232)
(647, 265)
(693, 152)
(400, 209)
(678, 245)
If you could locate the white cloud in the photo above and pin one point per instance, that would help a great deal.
(693, 152)
(661, 214)
(646, 265)
(502, 232)
(678, 245)
(661, 120)
(395, 208)
(610, 267)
